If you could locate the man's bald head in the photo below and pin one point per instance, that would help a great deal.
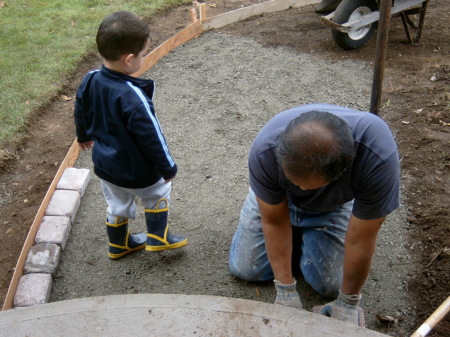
(316, 144)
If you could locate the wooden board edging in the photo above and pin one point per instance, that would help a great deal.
(188, 33)
(224, 19)
(301, 3)
(68, 161)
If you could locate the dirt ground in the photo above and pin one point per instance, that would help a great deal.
(415, 103)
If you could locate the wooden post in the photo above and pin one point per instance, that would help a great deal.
(203, 12)
(194, 17)
(380, 55)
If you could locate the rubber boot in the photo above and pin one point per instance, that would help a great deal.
(121, 242)
(159, 236)
(327, 6)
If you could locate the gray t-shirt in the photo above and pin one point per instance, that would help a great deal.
(372, 180)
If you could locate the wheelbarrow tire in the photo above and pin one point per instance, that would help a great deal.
(353, 9)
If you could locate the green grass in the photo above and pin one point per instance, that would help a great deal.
(41, 42)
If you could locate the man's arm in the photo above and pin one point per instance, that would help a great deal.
(277, 231)
(360, 244)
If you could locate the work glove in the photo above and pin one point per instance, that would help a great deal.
(345, 308)
(287, 295)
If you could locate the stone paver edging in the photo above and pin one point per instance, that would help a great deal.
(43, 257)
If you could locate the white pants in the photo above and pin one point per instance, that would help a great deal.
(121, 201)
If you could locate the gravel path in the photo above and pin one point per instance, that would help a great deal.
(213, 95)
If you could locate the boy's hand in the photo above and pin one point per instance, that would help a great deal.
(86, 146)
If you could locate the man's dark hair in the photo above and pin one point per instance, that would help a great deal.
(316, 143)
(121, 33)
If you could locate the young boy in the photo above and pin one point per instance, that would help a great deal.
(114, 116)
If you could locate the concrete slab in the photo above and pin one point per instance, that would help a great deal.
(170, 315)
(76, 179)
(32, 289)
(64, 203)
(54, 229)
(43, 258)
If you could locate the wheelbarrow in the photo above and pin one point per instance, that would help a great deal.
(354, 21)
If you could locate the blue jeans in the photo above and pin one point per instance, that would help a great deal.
(321, 249)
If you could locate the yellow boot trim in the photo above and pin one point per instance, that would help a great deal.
(166, 245)
(128, 250)
(125, 248)
(157, 209)
(115, 224)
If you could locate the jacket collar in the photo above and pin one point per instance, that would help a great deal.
(145, 84)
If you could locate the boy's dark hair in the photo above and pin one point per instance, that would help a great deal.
(316, 143)
(121, 33)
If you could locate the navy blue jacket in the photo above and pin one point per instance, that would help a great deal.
(116, 112)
